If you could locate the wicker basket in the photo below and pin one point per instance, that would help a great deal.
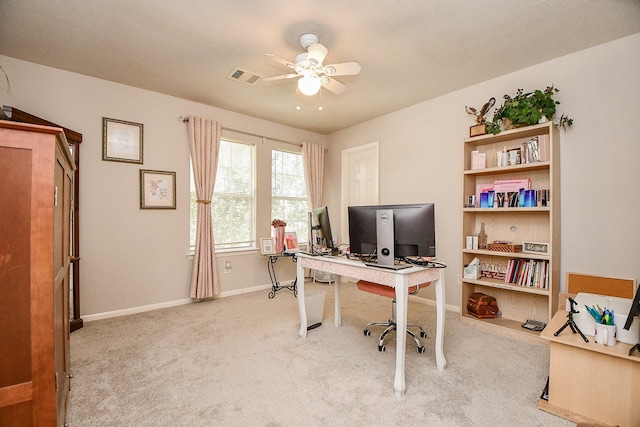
(504, 247)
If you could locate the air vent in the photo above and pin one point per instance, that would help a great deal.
(244, 76)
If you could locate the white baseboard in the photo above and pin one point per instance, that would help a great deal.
(243, 291)
(150, 307)
(432, 303)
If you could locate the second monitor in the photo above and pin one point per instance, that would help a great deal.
(321, 237)
(392, 232)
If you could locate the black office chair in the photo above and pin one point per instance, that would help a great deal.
(388, 291)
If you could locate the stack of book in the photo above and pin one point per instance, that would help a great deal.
(528, 272)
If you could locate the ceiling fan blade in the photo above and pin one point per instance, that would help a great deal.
(342, 69)
(317, 51)
(284, 76)
(280, 60)
(333, 85)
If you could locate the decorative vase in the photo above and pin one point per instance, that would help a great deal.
(279, 236)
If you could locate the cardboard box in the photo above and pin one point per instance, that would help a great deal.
(505, 185)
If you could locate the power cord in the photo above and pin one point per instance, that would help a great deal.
(425, 263)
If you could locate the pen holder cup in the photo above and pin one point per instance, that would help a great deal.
(605, 334)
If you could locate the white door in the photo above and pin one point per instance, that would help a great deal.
(360, 170)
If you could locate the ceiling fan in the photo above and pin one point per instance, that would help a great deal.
(313, 74)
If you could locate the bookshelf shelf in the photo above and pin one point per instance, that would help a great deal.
(538, 223)
(509, 169)
(521, 255)
(500, 284)
(498, 211)
(505, 327)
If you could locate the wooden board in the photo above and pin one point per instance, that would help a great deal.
(623, 288)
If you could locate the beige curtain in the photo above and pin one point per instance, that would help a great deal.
(313, 162)
(204, 143)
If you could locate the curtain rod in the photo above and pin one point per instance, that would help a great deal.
(184, 119)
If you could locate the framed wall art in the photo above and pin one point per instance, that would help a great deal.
(267, 246)
(157, 189)
(121, 141)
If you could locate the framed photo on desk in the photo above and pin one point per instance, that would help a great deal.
(267, 246)
(291, 241)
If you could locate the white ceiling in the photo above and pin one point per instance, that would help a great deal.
(410, 50)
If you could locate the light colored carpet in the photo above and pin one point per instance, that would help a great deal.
(238, 361)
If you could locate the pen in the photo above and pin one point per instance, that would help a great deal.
(594, 313)
(607, 317)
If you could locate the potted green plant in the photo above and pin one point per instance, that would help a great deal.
(527, 108)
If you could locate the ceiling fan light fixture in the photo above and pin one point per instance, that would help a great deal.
(309, 85)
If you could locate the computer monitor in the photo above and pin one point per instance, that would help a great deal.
(322, 226)
(392, 232)
(635, 309)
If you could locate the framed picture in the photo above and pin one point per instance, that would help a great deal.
(267, 246)
(121, 141)
(291, 241)
(157, 189)
(535, 248)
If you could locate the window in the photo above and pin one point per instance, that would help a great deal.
(289, 192)
(233, 204)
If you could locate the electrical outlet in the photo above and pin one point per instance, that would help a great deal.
(227, 267)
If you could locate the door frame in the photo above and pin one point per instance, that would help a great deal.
(346, 155)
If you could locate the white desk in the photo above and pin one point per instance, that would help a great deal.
(401, 280)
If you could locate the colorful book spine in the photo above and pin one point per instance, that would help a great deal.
(530, 273)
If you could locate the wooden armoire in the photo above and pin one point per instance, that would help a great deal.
(35, 267)
(74, 139)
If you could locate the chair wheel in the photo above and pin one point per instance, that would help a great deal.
(381, 348)
(367, 332)
(421, 349)
(423, 334)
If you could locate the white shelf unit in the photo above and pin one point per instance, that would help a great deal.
(514, 224)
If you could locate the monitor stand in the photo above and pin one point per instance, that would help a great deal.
(385, 242)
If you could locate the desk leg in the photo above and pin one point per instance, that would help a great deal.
(441, 362)
(338, 316)
(301, 304)
(402, 298)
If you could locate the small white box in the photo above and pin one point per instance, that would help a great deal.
(474, 159)
(482, 161)
(472, 271)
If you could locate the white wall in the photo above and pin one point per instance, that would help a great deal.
(421, 158)
(131, 257)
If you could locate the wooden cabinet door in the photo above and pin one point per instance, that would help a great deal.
(35, 209)
(61, 262)
(15, 285)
